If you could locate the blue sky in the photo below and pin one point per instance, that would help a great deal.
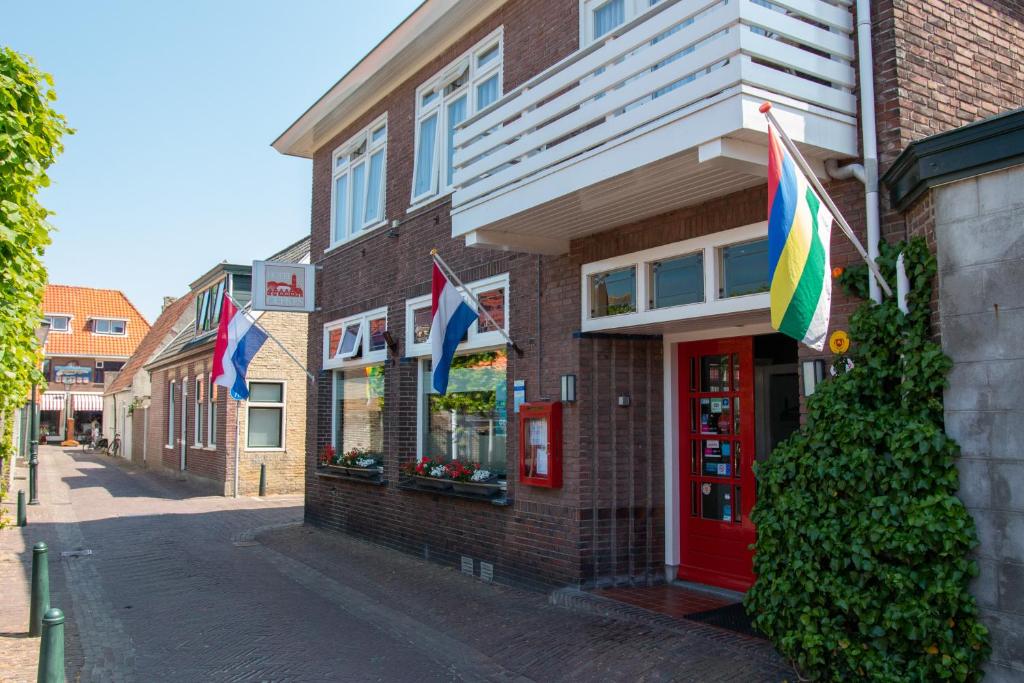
(175, 105)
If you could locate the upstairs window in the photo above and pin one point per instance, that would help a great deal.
(357, 340)
(58, 323)
(106, 326)
(493, 295)
(466, 86)
(208, 303)
(357, 183)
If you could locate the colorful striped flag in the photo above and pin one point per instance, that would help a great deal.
(799, 235)
(452, 318)
(238, 340)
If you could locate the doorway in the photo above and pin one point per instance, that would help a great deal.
(738, 398)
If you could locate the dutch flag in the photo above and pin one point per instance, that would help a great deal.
(238, 340)
(452, 317)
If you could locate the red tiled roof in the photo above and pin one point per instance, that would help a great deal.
(152, 343)
(84, 304)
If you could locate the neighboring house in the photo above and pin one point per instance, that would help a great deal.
(126, 400)
(92, 334)
(595, 172)
(195, 430)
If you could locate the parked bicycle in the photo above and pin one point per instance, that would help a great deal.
(115, 445)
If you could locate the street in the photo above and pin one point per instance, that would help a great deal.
(185, 587)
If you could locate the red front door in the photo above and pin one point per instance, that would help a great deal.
(716, 450)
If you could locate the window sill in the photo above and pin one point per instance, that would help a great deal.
(339, 475)
(265, 450)
(431, 202)
(500, 499)
(355, 239)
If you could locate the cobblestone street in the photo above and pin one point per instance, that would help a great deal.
(185, 587)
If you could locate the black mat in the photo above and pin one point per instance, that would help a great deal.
(731, 617)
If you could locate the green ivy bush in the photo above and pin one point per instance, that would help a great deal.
(862, 552)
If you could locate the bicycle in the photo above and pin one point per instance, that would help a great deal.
(115, 445)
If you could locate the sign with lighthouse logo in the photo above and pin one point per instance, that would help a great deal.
(283, 286)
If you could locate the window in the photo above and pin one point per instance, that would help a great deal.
(469, 423)
(171, 400)
(493, 294)
(613, 292)
(211, 412)
(208, 305)
(357, 340)
(105, 326)
(359, 410)
(357, 183)
(744, 269)
(58, 323)
(677, 281)
(468, 85)
(200, 402)
(265, 416)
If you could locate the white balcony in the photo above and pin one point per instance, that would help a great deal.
(660, 114)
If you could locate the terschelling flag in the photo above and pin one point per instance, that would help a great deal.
(799, 235)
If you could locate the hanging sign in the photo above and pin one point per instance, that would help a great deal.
(283, 287)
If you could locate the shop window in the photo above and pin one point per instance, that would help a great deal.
(469, 423)
(677, 281)
(469, 84)
(358, 175)
(359, 410)
(359, 339)
(743, 269)
(422, 319)
(265, 416)
(613, 292)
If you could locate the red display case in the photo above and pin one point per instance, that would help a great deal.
(540, 444)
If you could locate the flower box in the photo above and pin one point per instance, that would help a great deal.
(433, 483)
(361, 472)
(477, 488)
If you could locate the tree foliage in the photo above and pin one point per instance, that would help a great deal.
(862, 550)
(30, 140)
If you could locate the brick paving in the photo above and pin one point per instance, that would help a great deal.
(187, 587)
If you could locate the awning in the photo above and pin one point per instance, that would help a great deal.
(52, 400)
(87, 402)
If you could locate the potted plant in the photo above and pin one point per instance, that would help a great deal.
(470, 478)
(357, 462)
(429, 474)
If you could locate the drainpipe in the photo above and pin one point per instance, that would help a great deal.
(867, 172)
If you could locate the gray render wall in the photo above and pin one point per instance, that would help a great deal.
(979, 225)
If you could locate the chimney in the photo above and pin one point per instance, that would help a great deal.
(168, 300)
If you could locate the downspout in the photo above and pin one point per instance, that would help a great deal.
(867, 172)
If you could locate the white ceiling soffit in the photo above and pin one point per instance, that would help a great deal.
(429, 30)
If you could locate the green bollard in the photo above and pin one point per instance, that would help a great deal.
(51, 648)
(40, 589)
(263, 479)
(22, 521)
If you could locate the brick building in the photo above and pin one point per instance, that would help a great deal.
(92, 334)
(195, 430)
(595, 172)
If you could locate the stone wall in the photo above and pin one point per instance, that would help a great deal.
(979, 232)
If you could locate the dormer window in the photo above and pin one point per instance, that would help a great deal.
(58, 323)
(109, 326)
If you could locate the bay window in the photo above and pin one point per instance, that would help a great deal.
(265, 416)
(358, 418)
(358, 171)
(466, 86)
(470, 422)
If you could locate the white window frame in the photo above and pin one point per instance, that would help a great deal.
(335, 380)
(171, 422)
(363, 139)
(249, 404)
(197, 428)
(645, 314)
(475, 338)
(365, 356)
(633, 9)
(439, 82)
(50, 316)
(211, 413)
(108, 333)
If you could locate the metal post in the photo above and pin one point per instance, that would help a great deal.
(33, 452)
(40, 589)
(263, 479)
(21, 508)
(51, 648)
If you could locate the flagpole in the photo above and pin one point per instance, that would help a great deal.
(448, 271)
(766, 109)
(245, 309)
